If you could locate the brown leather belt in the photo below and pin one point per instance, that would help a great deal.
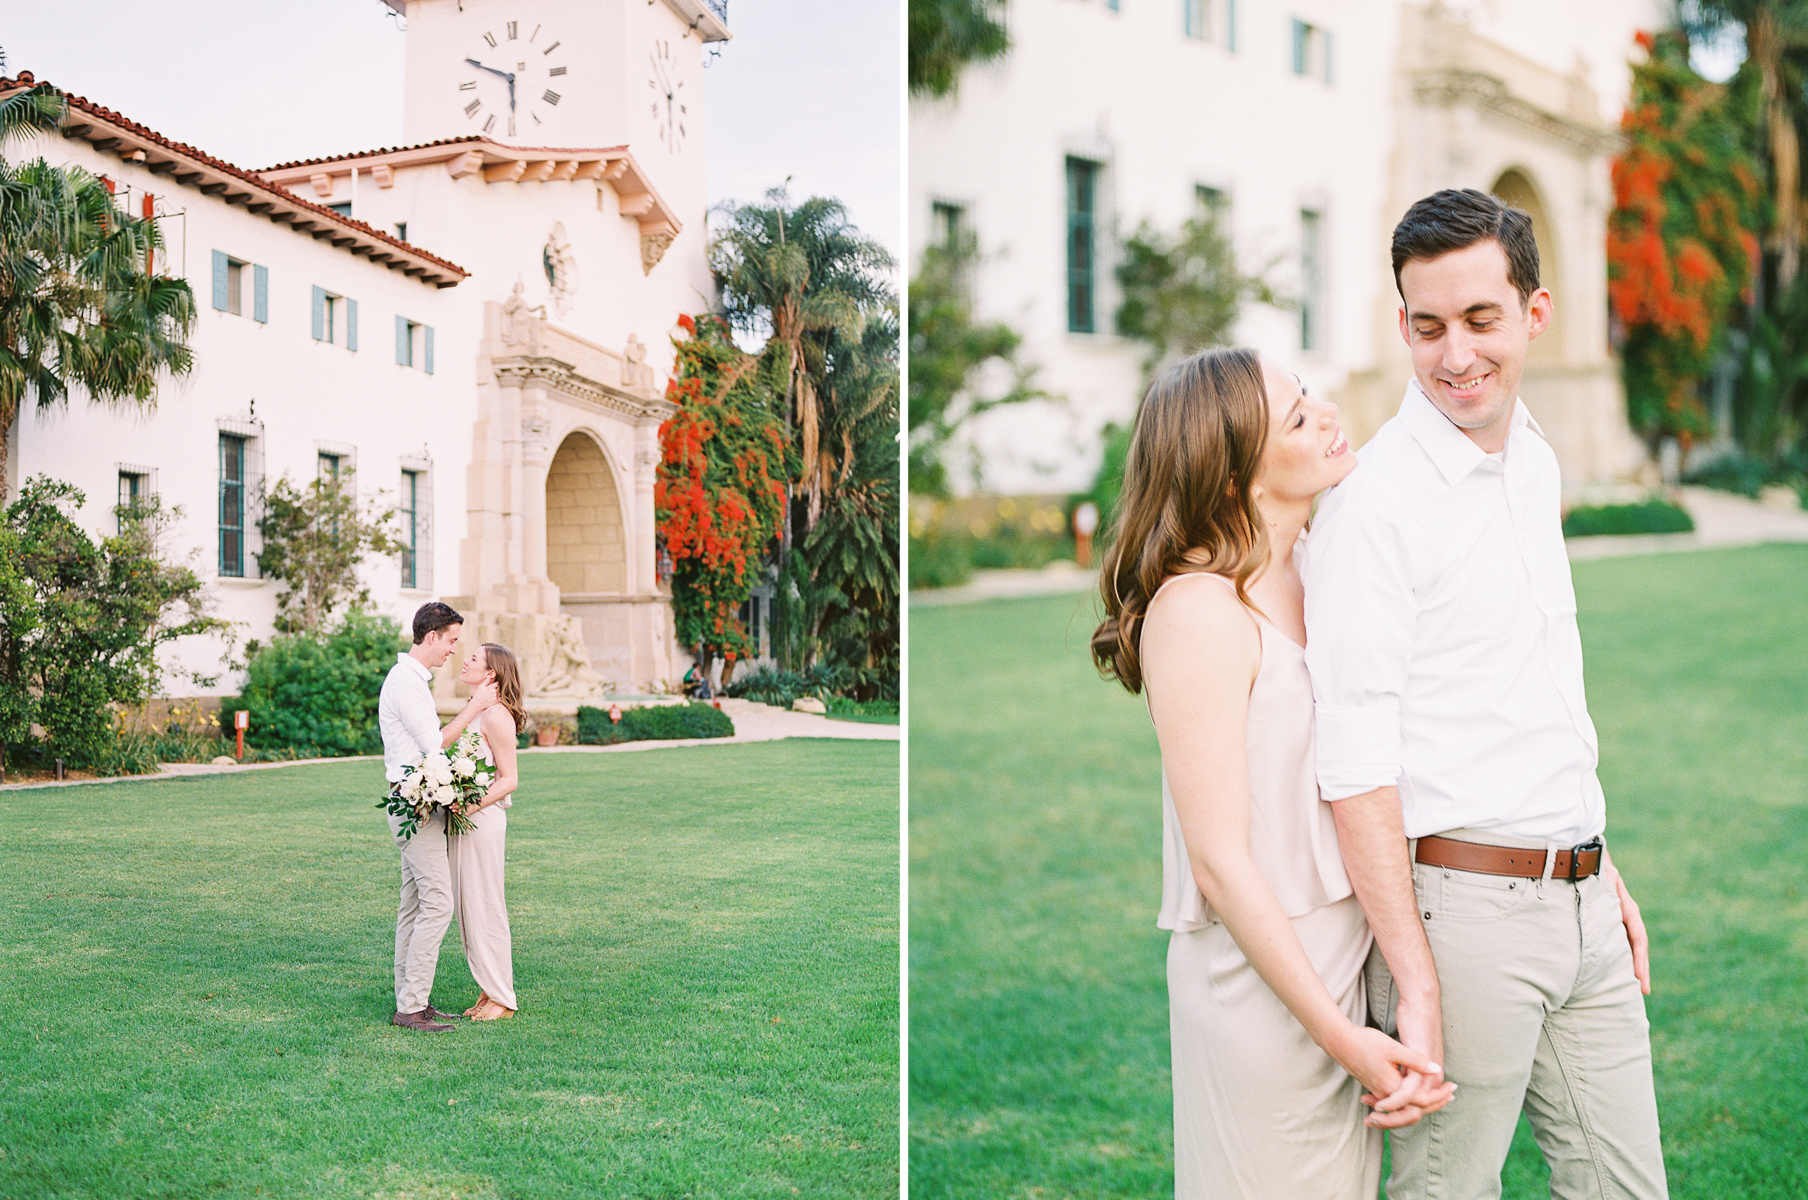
(1576, 863)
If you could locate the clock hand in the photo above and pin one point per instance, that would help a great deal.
(492, 70)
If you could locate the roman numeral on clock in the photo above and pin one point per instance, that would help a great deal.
(511, 30)
(551, 97)
(472, 107)
(556, 71)
(491, 39)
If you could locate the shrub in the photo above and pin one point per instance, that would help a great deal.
(862, 708)
(666, 722)
(82, 623)
(768, 685)
(317, 695)
(1653, 516)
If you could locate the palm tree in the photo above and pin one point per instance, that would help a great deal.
(78, 310)
(852, 551)
(802, 275)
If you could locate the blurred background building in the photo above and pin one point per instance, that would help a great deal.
(1303, 129)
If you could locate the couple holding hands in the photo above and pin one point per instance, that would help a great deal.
(460, 873)
(1389, 902)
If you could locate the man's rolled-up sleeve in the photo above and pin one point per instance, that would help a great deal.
(1360, 615)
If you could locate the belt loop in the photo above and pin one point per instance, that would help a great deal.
(1550, 864)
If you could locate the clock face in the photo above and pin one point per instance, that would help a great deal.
(666, 85)
(513, 79)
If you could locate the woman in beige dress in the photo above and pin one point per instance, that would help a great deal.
(1272, 1061)
(477, 857)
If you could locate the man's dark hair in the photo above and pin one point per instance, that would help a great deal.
(1457, 218)
(431, 616)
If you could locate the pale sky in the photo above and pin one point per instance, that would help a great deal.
(812, 89)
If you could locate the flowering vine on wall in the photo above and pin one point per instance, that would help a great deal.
(720, 489)
(1681, 245)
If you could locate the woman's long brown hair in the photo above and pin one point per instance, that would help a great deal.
(1186, 502)
(508, 681)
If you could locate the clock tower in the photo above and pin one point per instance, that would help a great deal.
(566, 73)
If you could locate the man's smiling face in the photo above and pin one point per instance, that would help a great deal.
(1469, 334)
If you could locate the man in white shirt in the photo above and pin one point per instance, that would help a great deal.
(409, 722)
(1455, 744)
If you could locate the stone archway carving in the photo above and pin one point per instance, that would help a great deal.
(586, 537)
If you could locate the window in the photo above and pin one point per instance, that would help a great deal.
(344, 209)
(401, 231)
(229, 287)
(409, 513)
(329, 464)
(232, 505)
(134, 489)
(1312, 280)
(949, 223)
(1082, 210)
(333, 314)
(1311, 51)
(414, 344)
(1196, 19)
(1211, 201)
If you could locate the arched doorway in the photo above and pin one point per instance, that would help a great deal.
(586, 546)
(1515, 187)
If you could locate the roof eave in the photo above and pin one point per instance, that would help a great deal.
(108, 132)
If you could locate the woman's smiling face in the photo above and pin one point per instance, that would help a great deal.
(1306, 451)
(475, 669)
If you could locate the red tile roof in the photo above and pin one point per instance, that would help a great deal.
(103, 122)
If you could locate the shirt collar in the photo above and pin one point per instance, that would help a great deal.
(1448, 447)
(412, 661)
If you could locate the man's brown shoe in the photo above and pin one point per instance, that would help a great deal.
(434, 1014)
(417, 1021)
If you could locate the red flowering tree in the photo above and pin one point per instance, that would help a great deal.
(720, 489)
(1682, 240)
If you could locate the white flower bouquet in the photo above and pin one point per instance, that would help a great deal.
(454, 779)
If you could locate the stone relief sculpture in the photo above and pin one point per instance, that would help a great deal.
(521, 323)
(636, 375)
(567, 669)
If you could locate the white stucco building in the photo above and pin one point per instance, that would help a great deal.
(1312, 125)
(478, 322)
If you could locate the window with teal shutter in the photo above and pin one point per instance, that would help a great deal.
(220, 266)
(428, 336)
(260, 297)
(402, 348)
(351, 324)
(1230, 25)
(1327, 37)
(319, 314)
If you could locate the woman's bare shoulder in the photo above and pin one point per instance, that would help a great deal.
(497, 722)
(1196, 621)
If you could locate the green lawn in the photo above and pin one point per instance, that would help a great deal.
(1038, 1031)
(197, 984)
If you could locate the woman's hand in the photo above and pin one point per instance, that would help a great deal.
(1395, 1077)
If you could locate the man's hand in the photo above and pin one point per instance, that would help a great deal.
(1635, 926)
(1419, 1026)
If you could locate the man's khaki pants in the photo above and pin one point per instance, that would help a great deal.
(425, 909)
(1541, 1013)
